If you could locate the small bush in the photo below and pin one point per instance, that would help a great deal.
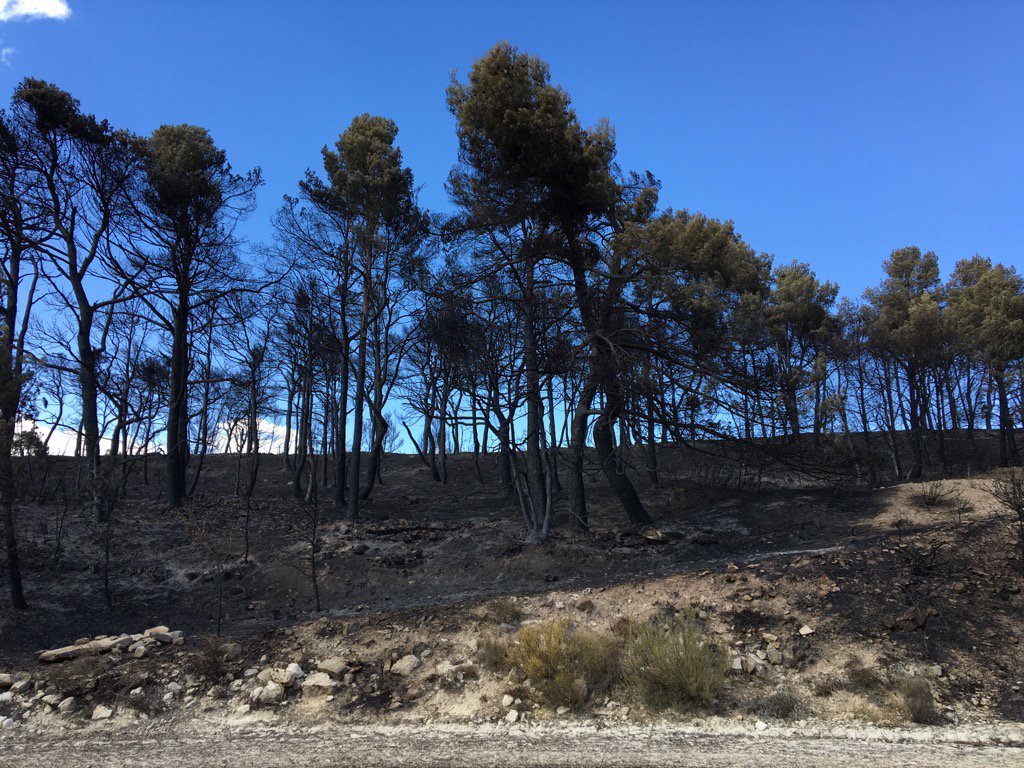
(567, 665)
(861, 678)
(783, 704)
(669, 665)
(504, 610)
(492, 652)
(933, 494)
(918, 701)
(209, 661)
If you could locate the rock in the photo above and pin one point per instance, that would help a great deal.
(806, 630)
(276, 675)
(245, 709)
(162, 637)
(136, 693)
(6, 680)
(272, 693)
(507, 701)
(405, 666)
(101, 712)
(8, 722)
(774, 654)
(6, 697)
(251, 672)
(512, 716)
(22, 686)
(318, 683)
(562, 711)
(68, 705)
(174, 688)
(334, 667)
(66, 653)
(761, 725)
(51, 700)
(161, 630)
(295, 671)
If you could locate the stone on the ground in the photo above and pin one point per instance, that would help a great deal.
(507, 701)
(6, 680)
(22, 686)
(806, 630)
(272, 693)
(563, 710)
(405, 666)
(68, 705)
(6, 697)
(761, 725)
(101, 712)
(295, 672)
(334, 667)
(512, 716)
(318, 683)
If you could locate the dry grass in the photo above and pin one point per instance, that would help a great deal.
(918, 702)
(670, 665)
(504, 610)
(209, 661)
(492, 651)
(861, 678)
(783, 704)
(566, 665)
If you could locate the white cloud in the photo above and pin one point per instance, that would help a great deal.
(5, 56)
(12, 10)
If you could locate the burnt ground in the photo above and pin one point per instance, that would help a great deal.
(921, 574)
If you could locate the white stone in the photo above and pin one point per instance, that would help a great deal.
(405, 666)
(272, 693)
(101, 712)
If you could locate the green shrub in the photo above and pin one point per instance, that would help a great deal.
(566, 665)
(670, 665)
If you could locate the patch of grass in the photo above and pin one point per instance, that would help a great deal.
(585, 606)
(671, 665)
(866, 711)
(861, 678)
(504, 610)
(783, 704)
(492, 652)
(918, 701)
(566, 665)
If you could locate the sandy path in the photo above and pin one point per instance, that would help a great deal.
(477, 747)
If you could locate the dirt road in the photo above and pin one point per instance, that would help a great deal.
(484, 746)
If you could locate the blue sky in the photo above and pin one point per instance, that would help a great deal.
(830, 132)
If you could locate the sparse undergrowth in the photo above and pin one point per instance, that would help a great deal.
(659, 664)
